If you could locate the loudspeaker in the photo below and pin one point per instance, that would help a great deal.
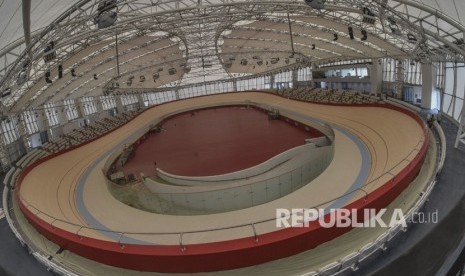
(351, 33)
(60, 71)
(364, 35)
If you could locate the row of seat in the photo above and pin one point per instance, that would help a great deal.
(30, 157)
(74, 138)
(86, 133)
(11, 176)
(333, 96)
(56, 145)
(13, 173)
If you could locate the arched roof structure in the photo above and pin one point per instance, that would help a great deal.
(209, 32)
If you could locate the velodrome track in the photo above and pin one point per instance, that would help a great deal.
(65, 197)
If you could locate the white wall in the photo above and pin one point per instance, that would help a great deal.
(35, 140)
(454, 90)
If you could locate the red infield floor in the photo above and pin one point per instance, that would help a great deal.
(215, 141)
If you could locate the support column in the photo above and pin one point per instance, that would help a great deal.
(42, 122)
(23, 134)
(43, 125)
(62, 118)
(5, 161)
(140, 99)
(295, 77)
(119, 104)
(376, 76)
(428, 73)
(99, 105)
(4, 158)
(399, 85)
(461, 133)
(313, 68)
(100, 111)
(454, 90)
(79, 108)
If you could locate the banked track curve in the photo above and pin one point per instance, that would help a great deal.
(53, 192)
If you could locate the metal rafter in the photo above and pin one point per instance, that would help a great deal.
(74, 29)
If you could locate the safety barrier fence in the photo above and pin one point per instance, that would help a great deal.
(241, 196)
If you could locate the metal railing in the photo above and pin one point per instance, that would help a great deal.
(229, 198)
(363, 191)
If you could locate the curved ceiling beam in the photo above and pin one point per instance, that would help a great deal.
(313, 37)
(14, 67)
(165, 5)
(432, 11)
(84, 60)
(437, 14)
(77, 20)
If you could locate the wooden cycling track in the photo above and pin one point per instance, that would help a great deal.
(66, 196)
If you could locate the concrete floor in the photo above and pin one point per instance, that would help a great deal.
(423, 249)
(15, 260)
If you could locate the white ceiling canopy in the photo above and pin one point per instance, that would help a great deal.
(212, 30)
(42, 13)
(452, 8)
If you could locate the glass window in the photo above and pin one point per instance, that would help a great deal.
(9, 129)
(30, 122)
(128, 99)
(88, 105)
(108, 102)
(51, 113)
(71, 110)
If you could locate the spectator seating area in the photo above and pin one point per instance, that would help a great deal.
(66, 141)
(88, 132)
(331, 96)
